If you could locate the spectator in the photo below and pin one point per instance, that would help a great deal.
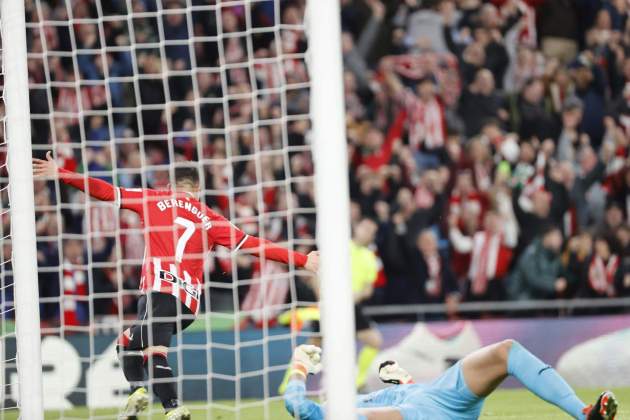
(613, 220)
(537, 216)
(175, 28)
(355, 56)
(535, 119)
(587, 191)
(409, 220)
(481, 102)
(465, 200)
(490, 252)
(578, 259)
(425, 112)
(74, 301)
(436, 281)
(571, 135)
(539, 273)
(558, 41)
(424, 28)
(589, 87)
(604, 274)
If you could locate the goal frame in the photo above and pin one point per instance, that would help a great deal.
(323, 25)
(22, 210)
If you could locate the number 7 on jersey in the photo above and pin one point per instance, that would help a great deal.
(183, 240)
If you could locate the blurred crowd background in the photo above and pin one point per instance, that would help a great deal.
(487, 140)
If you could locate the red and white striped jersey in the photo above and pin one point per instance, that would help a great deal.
(179, 230)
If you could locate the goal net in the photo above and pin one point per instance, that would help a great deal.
(124, 91)
(7, 309)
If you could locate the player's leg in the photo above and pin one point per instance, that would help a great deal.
(157, 335)
(184, 319)
(132, 361)
(130, 352)
(372, 341)
(486, 368)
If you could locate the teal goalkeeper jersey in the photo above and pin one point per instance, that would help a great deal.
(391, 396)
(445, 398)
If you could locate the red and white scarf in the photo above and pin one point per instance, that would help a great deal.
(74, 287)
(483, 263)
(601, 276)
(426, 122)
(433, 285)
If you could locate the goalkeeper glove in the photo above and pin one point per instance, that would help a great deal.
(390, 372)
(306, 360)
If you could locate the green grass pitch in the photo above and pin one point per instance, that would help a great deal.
(503, 404)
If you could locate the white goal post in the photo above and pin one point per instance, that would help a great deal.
(333, 205)
(22, 210)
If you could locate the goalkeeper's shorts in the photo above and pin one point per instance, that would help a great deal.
(160, 316)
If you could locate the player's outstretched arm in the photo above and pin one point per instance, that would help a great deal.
(226, 234)
(306, 361)
(275, 252)
(97, 188)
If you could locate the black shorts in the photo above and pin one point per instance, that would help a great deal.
(160, 316)
(362, 322)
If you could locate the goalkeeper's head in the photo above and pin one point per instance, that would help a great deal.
(187, 180)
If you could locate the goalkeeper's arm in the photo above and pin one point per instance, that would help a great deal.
(305, 361)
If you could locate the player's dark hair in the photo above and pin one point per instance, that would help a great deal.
(187, 175)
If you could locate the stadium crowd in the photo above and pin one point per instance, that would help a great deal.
(488, 142)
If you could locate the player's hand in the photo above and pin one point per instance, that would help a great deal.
(307, 359)
(391, 373)
(45, 168)
(312, 261)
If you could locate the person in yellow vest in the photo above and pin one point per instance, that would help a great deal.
(364, 270)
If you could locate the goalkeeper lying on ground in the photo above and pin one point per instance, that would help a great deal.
(458, 394)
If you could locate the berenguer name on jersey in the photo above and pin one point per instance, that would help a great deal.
(186, 205)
